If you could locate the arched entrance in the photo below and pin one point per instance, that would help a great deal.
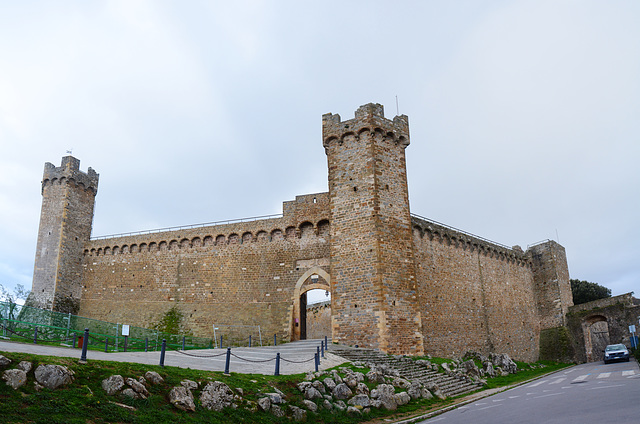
(314, 278)
(596, 337)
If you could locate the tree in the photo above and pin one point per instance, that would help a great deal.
(585, 291)
(12, 297)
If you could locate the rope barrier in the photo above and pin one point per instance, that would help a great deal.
(254, 361)
(196, 356)
(297, 362)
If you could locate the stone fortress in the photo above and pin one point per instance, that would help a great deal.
(399, 283)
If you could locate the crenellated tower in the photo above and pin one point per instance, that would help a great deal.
(374, 299)
(68, 197)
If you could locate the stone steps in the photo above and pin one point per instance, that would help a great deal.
(409, 369)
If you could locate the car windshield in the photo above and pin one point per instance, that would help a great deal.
(615, 347)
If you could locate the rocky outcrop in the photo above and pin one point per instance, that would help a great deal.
(53, 376)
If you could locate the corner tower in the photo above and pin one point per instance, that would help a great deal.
(374, 299)
(68, 196)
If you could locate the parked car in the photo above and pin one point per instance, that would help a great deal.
(616, 352)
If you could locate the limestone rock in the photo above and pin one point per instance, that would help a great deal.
(362, 389)
(276, 398)
(25, 366)
(488, 369)
(470, 368)
(4, 361)
(330, 383)
(360, 401)
(15, 378)
(277, 411)
(189, 384)
(384, 393)
(342, 391)
(113, 384)
(153, 377)
(129, 392)
(311, 406)
(317, 384)
(340, 405)
(264, 403)
(425, 393)
(302, 386)
(299, 414)
(326, 404)
(181, 398)
(445, 366)
(353, 411)
(53, 376)
(504, 361)
(415, 390)
(401, 383)
(402, 398)
(137, 387)
(374, 376)
(216, 396)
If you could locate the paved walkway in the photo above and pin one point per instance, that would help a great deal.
(254, 360)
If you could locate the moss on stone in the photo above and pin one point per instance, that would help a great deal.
(556, 345)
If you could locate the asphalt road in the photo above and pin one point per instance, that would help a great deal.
(296, 357)
(587, 393)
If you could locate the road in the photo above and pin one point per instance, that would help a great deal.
(295, 357)
(587, 393)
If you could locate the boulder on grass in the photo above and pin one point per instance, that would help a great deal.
(181, 398)
(53, 376)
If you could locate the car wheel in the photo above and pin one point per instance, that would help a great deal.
(606, 362)
(627, 360)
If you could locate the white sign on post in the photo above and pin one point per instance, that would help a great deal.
(125, 329)
(632, 328)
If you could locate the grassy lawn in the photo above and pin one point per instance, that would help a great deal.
(84, 401)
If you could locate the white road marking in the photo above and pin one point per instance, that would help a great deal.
(581, 378)
(550, 394)
(606, 387)
(604, 375)
(530, 394)
(571, 370)
(479, 403)
(487, 407)
(557, 381)
(498, 400)
(538, 383)
(513, 397)
(626, 373)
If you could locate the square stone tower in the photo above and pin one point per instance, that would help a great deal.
(374, 299)
(68, 196)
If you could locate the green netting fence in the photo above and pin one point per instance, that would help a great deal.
(25, 323)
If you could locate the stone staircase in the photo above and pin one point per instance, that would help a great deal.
(407, 368)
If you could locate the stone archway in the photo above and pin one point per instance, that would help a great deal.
(303, 285)
(596, 337)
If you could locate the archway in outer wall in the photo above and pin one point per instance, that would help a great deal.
(596, 337)
(314, 278)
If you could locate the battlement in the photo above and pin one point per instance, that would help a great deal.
(69, 171)
(369, 117)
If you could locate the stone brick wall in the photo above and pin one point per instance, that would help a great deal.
(372, 264)
(319, 320)
(474, 295)
(66, 218)
(239, 274)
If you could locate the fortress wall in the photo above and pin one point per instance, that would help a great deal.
(242, 273)
(474, 295)
(319, 320)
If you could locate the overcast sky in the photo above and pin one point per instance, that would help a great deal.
(524, 115)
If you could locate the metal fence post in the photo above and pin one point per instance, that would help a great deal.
(164, 347)
(183, 341)
(249, 340)
(317, 360)
(220, 341)
(35, 336)
(126, 339)
(318, 353)
(85, 343)
(277, 364)
(74, 339)
(226, 365)
(326, 346)
(146, 344)
(106, 344)
(275, 341)
(322, 348)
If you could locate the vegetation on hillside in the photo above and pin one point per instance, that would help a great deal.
(585, 291)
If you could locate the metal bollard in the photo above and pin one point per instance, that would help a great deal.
(317, 360)
(220, 341)
(326, 346)
(322, 348)
(183, 339)
(275, 341)
(74, 340)
(85, 343)
(226, 365)
(146, 344)
(277, 364)
(126, 339)
(35, 336)
(106, 344)
(249, 340)
(318, 353)
(164, 347)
